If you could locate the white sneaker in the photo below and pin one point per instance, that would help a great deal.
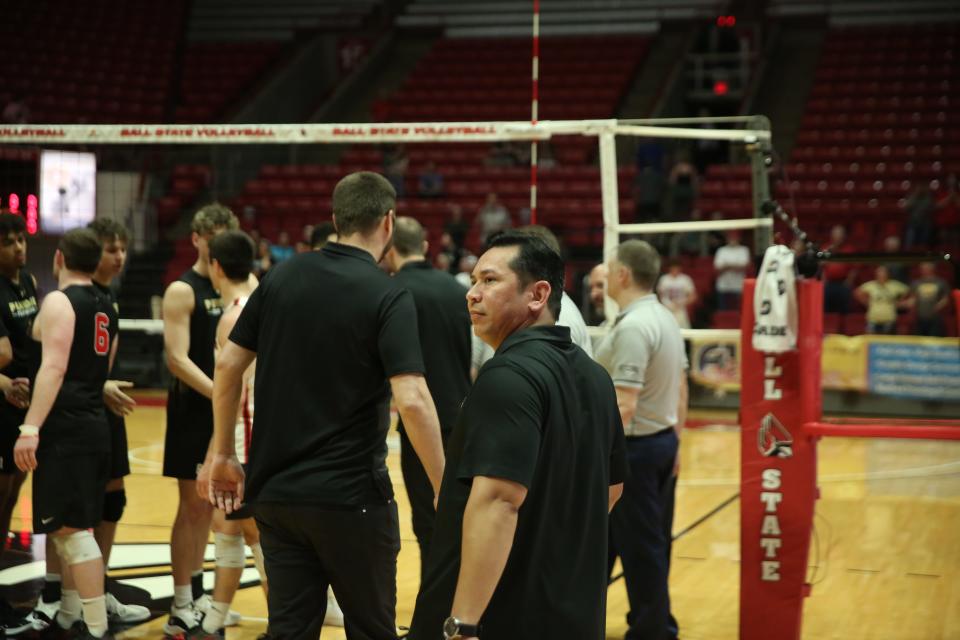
(334, 616)
(43, 614)
(202, 604)
(182, 620)
(119, 613)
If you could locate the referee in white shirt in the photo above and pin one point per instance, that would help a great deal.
(644, 354)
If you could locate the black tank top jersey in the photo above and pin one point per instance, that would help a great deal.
(95, 329)
(207, 309)
(18, 309)
(112, 418)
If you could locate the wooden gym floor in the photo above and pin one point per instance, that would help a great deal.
(886, 562)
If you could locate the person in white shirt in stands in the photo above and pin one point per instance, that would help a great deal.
(677, 292)
(731, 263)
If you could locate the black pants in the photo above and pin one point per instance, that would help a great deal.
(641, 532)
(420, 494)
(306, 549)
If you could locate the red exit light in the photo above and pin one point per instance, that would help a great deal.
(726, 21)
(720, 87)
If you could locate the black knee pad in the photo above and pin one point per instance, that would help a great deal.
(113, 504)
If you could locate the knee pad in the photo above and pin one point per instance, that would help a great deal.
(77, 547)
(113, 504)
(228, 551)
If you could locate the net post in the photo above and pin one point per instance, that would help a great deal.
(760, 154)
(779, 394)
(610, 196)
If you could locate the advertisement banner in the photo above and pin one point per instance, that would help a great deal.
(897, 366)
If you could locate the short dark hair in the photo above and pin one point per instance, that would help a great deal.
(642, 260)
(408, 237)
(11, 223)
(361, 200)
(108, 229)
(544, 234)
(81, 249)
(234, 252)
(535, 261)
(320, 233)
(213, 216)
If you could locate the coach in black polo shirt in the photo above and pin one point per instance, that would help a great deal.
(445, 338)
(536, 461)
(328, 329)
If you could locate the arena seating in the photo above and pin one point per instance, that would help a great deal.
(90, 60)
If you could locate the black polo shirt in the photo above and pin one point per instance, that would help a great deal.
(542, 414)
(445, 329)
(329, 329)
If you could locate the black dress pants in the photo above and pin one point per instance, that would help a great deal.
(420, 494)
(307, 548)
(640, 533)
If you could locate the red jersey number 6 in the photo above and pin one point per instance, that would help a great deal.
(101, 335)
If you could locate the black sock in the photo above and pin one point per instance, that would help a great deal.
(51, 591)
(196, 585)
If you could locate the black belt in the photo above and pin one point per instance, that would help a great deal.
(658, 434)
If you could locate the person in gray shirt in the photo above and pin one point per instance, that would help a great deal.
(644, 354)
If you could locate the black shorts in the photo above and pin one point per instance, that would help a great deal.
(68, 489)
(10, 420)
(119, 460)
(189, 428)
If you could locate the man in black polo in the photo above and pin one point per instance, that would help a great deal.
(445, 337)
(333, 335)
(536, 462)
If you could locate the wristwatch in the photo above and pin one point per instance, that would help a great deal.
(453, 628)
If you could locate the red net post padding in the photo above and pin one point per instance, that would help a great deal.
(779, 394)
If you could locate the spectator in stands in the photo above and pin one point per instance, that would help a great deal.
(920, 207)
(322, 234)
(442, 262)
(281, 250)
(648, 188)
(430, 182)
(715, 239)
(457, 227)
(264, 262)
(897, 271)
(16, 112)
(598, 282)
(838, 277)
(650, 154)
(492, 217)
(684, 183)
(691, 243)
(677, 292)
(707, 151)
(304, 243)
(395, 163)
(465, 266)
(930, 297)
(731, 263)
(882, 297)
(501, 155)
(947, 216)
(449, 248)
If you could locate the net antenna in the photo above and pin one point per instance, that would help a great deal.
(753, 132)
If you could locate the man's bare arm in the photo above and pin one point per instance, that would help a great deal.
(57, 320)
(614, 493)
(489, 526)
(178, 303)
(627, 403)
(415, 405)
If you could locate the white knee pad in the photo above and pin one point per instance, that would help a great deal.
(228, 551)
(77, 547)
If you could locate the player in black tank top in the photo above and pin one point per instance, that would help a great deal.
(65, 439)
(18, 308)
(191, 311)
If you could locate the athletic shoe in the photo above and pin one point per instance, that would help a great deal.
(334, 615)
(182, 621)
(200, 634)
(81, 632)
(119, 613)
(202, 604)
(12, 622)
(43, 614)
